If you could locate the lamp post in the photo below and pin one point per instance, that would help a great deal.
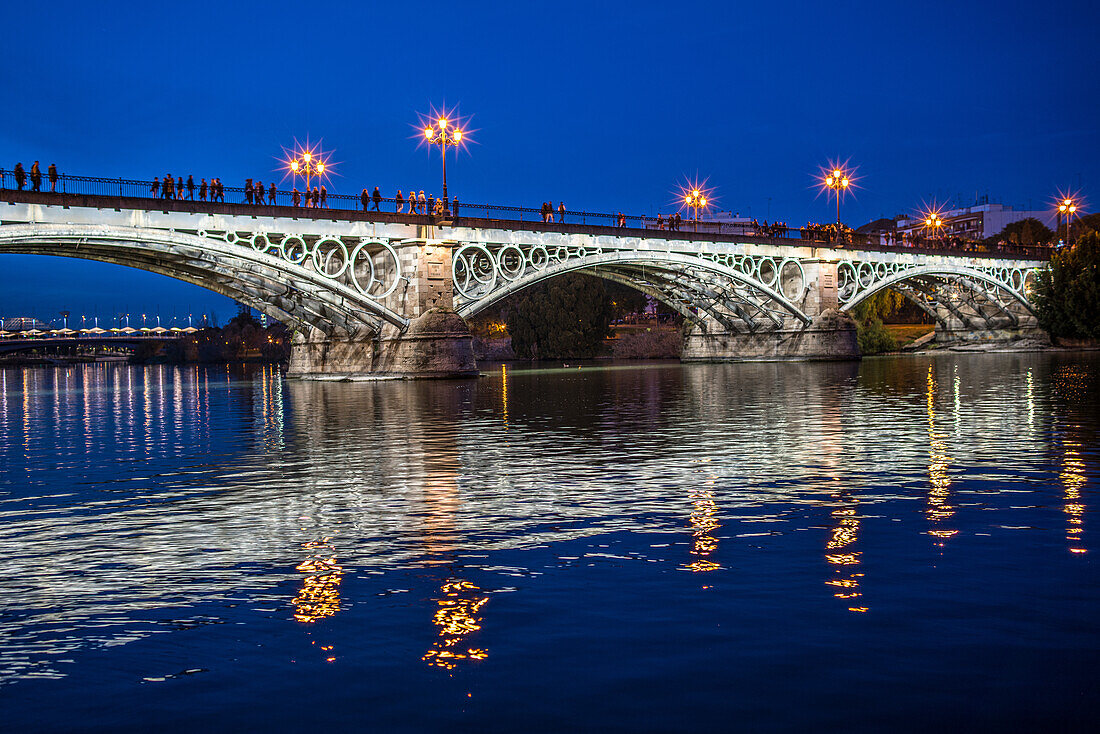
(933, 222)
(443, 133)
(1067, 208)
(837, 180)
(308, 166)
(695, 199)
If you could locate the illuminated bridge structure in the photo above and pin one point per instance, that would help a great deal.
(389, 293)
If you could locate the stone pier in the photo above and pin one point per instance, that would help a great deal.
(436, 343)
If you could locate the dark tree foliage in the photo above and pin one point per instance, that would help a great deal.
(1067, 294)
(566, 317)
(1028, 231)
(1082, 225)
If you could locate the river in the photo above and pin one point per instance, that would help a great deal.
(897, 544)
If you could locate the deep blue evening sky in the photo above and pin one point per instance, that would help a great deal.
(605, 105)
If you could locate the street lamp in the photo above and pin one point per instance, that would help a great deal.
(695, 199)
(933, 222)
(443, 133)
(1067, 208)
(309, 165)
(838, 181)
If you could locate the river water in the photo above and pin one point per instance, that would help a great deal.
(896, 544)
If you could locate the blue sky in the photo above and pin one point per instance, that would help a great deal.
(607, 106)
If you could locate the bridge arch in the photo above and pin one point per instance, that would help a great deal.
(278, 287)
(692, 285)
(977, 298)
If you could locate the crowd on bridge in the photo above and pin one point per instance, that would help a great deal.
(256, 193)
(35, 176)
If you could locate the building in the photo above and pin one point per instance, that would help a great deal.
(976, 222)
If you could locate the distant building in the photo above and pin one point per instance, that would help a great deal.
(976, 222)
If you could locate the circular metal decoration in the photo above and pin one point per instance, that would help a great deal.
(510, 262)
(791, 272)
(767, 273)
(330, 257)
(293, 249)
(260, 242)
(474, 271)
(375, 279)
(231, 237)
(538, 257)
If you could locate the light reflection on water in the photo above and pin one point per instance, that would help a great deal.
(131, 498)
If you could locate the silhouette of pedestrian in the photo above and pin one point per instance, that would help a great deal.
(420, 200)
(52, 173)
(20, 176)
(155, 188)
(190, 187)
(324, 197)
(295, 197)
(179, 189)
(561, 212)
(260, 192)
(398, 201)
(248, 190)
(202, 190)
(36, 177)
(271, 194)
(376, 197)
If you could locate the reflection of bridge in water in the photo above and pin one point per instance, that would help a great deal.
(373, 292)
(331, 482)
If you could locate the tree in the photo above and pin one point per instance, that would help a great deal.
(1028, 231)
(566, 317)
(1067, 294)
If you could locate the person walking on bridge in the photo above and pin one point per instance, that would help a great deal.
(36, 177)
(398, 202)
(376, 197)
(295, 197)
(202, 190)
(561, 212)
(260, 191)
(20, 176)
(190, 187)
(364, 198)
(420, 200)
(155, 188)
(179, 189)
(324, 197)
(52, 173)
(271, 194)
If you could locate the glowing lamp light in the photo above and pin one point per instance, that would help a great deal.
(428, 132)
(320, 168)
(458, 135)
(442, 123)
(307, 155)
(294, 166)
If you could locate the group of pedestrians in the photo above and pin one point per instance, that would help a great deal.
(35, 176)
(178, 189)
(548, 212)
(673, 222)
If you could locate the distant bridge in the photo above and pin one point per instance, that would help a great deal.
(358, 286)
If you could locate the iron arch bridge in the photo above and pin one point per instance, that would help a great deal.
(352, 276)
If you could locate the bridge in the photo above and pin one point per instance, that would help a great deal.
(388, 293)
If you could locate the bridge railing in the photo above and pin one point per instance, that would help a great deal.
(816, 235)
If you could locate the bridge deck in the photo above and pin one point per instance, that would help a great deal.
(119, 203)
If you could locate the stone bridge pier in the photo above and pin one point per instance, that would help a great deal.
(436, 343)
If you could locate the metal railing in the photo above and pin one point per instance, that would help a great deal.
(533, 218)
